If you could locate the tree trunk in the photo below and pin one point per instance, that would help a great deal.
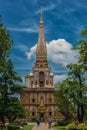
(67, 114)
(80, 106)
(2, 119)
(80, 113)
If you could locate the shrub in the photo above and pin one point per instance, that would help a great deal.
(74, 126)
(23, 123)
(62, 123)
(12, 126)
(82, 126)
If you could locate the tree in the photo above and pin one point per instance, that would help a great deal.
(14, 109)
(9, 79)
(83, 49)
(75, 86)
(74, 91)
(2, 109)
(77, 89)
(5, 46)
(63, 102)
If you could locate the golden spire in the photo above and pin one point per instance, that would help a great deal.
(41, 19)
(41, 50)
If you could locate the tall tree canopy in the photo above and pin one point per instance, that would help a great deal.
(63, 102)
(83, 48)
(9, 79)
(75, 86)
(77, 89)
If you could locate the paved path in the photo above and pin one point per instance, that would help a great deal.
(42, 127)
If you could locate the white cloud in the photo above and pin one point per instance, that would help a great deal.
(32, 29)
(59, 52)
(27, 29)
(60, 78)
(21, 47)
(31, 53)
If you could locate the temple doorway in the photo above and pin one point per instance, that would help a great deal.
(42, 117)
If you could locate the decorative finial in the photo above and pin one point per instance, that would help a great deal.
(41, 11)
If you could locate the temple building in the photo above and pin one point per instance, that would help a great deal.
(38, 98)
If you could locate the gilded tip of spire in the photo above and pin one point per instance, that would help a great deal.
(41, 11)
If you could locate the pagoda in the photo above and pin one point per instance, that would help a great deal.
(38, 99)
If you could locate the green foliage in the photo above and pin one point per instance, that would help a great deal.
(1, 104)
(10, 82)
(12, 126)
(76, 84)
(63, 102)
(5, 46)
(63, 123)
(78, 88)
(75, 126)
(59, 127)
(82, 48)
(14, 109)
(72, 126)
(73, 91)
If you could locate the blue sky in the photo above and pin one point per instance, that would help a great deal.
(63, 19)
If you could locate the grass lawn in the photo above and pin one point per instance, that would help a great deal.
(59, 127)
(28, 127)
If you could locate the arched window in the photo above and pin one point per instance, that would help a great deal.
(33, 99)
(41, 79)
(41, 75)
(50, 113)
(33, 113)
